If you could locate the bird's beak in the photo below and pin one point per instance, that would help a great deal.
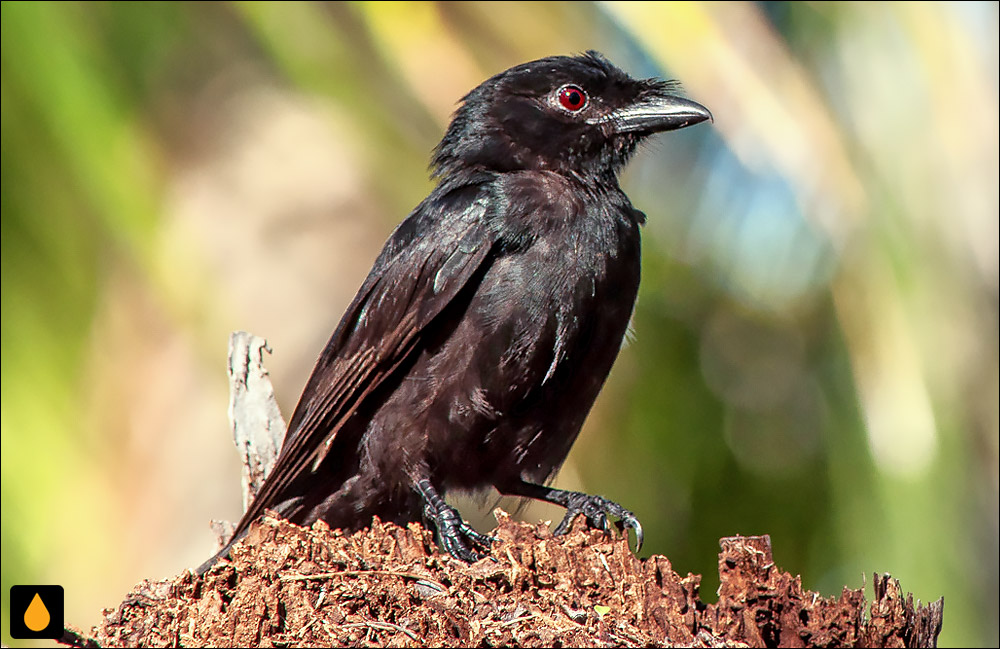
(655, 114)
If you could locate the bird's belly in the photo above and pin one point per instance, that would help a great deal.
(527, 364)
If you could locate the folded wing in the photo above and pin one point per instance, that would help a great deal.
(420, 271)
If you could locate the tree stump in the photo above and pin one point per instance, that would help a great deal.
(390, 586)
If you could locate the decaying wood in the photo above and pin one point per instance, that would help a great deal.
(256, 422)
(254, 418)
(390, 586)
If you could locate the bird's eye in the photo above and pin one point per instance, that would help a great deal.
(572, 98)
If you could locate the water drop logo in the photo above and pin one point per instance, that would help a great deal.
(37, 617)
(36, 612)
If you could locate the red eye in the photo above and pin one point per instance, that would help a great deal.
(572, 98)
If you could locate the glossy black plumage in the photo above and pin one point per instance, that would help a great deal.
(476, 346)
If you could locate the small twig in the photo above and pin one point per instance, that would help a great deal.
(382, 626)
(518, 620)
(604, 562)
(302, 632)
(362, 573)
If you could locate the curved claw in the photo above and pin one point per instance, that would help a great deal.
(484, 541)
(597, 509)
(638, 535)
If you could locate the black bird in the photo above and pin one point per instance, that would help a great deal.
(475, 348)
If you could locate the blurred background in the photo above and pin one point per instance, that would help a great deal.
(815, 348)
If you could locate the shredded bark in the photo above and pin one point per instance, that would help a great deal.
(288, 586)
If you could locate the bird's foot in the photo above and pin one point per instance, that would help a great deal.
(597, 509)
(459, 539)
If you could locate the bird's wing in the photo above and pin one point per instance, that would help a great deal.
(424, 265)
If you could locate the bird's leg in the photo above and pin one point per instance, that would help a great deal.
(452, 530)
(595, 508)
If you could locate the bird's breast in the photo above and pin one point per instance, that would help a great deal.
(573, 287)
(536, 341)
(547, 321)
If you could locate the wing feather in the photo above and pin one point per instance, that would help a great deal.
(418, 274)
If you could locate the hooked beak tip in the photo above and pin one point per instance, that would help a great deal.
(664, 113)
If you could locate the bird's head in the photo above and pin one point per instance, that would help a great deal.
(571, 114)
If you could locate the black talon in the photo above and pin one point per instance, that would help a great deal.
(452, 530)
(596, 509)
